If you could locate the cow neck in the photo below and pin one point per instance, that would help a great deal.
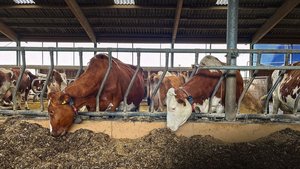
(189, 97)
(72, 105)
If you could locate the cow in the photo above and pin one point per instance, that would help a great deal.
(58, 82)
(287, 90)
(194, 95)
(6, 84)
(24, 88)
(170, 80)
(63, 105)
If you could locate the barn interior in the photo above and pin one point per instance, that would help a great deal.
(231, 140)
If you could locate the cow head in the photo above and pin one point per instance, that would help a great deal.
(178, 109)
(61, 112)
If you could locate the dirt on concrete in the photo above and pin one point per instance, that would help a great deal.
(27, 145)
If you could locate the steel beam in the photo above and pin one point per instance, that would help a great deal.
(82, 19)
(8, 32)
(281, 12)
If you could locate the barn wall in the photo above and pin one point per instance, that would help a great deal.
(232, 132)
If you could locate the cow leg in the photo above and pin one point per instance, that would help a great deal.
(19, 98)
(276, 103)
(26, 99)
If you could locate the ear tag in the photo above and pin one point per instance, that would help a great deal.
(71, 102)
(190, 99)
(64, 102)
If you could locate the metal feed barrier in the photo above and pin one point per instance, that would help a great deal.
(125, 113)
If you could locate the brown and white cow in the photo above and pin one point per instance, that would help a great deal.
(58, 82)
(194, 95)
(6, 84)
(170, 81)
(24, 88)
(288, 89)
(63, 105)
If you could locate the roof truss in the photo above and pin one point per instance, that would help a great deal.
(82, 19)
(177, 18)
(8, 32)
(282, 11)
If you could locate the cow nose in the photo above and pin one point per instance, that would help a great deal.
(54, 134)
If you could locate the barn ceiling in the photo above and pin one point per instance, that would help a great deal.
(166, 21)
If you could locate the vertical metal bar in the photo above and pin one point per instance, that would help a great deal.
(19, 79)
(56, 54)
(104, 80)
(195, 65)
(172, 56)
(251, 61)
(287, 58)
(79, 71)
(278, 80)
(42, 54)
(231, 38)
(159, 82)
(47, 80)
(132, 81)
(245, 90)
(95, 46)
(249, 83)
(18, 53)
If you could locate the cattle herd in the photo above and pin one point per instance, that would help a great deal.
(178, 94)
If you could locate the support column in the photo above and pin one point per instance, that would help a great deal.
(95, 46)
(231, 38)
(18, 54)
(172, 56)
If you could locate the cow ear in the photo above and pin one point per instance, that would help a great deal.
(65, 99)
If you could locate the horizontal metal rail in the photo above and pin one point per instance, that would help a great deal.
(251, 67)
(194, 116)
(152, 50)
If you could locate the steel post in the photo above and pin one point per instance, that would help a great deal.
(132, 81)
(195, 65)
(104, 80)
(159, 82)
(19, 80)
(47, 80)
(80, 65)
(231, 39)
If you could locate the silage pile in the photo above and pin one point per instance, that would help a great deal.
(26, 145)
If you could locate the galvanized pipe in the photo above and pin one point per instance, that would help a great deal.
(278, 80)
(132, 81)
(251, 67)
(47, 80)
(18, 54)
(195, 66)
(159, 82)
(147, 50)
(231, 39)
(249, 83)
(80, 65)
(19, 79)
(245, 90)
(104, 81)
(197, 116)
(215, 91)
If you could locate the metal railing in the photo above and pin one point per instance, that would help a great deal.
(167, 51)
